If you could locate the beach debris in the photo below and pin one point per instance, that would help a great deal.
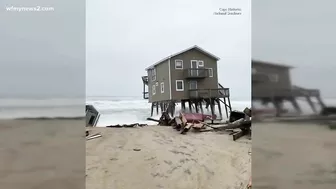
(329, 110)
(87, 133)
(92, 116)
(128, 125)
(186, 121)
(136, 149)
(94, 136)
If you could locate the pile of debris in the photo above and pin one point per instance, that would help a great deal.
(186, 121)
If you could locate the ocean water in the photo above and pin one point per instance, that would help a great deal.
(13, 108)
(114, 110)
(128, 110)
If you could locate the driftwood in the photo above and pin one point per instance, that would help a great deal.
(238, 124)
(128, 125)
(186, 128)
(97, 135)
(152, 119)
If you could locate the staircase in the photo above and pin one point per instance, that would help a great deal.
(145, 83)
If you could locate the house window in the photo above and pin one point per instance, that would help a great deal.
(210, 72)
(200, 63)
(179, 85)
(153, 74)
(178, 64)
(153, 90)
(162, 87)
(273, 78)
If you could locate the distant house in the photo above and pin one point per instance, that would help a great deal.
(272, 83)
(269, 79)
(191, 74)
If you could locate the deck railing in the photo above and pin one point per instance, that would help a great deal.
(294, 92)
(209, 93)
(145, 95)
(194, 73)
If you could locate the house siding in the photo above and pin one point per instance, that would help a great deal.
(264, 89)
(176, 74)
(162, 76)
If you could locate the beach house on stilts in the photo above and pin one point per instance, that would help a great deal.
(272, 84)
(189, 77)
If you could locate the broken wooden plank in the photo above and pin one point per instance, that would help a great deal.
(186, 128)
(183, 119)
(207, 129)
(152, 119)
(178, 121)
(198, 126)
(94, 136)
(238, 135)
(238, 125)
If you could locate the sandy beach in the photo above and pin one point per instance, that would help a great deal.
(293, 155)
(159, 157)
(42, 154)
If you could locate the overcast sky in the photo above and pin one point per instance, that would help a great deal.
(299, 33)
(125, 37)
(42, 53)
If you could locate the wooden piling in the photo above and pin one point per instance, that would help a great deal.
(157, 108)
(320, 102)
(219, 108)
(277, 106)
(201, 107)
(229, 101)
(196, 105)
(296, 105)
(212, 106)
(311, 104)
(183, 105)
(161, 107)
(152, 109)
(189, 103)
(226, 109)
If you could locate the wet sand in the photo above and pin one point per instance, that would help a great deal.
(293, 155)
(159, 157)
(42, 154)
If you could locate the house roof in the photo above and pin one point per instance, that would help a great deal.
(178, 53)
(271, 64)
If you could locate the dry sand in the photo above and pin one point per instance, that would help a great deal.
(42, 154)
(293, 156)
(166, 159)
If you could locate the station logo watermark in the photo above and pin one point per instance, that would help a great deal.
(228, 12)
(29, 9)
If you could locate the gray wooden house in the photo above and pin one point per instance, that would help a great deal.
(189, 76)
(272, 83)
